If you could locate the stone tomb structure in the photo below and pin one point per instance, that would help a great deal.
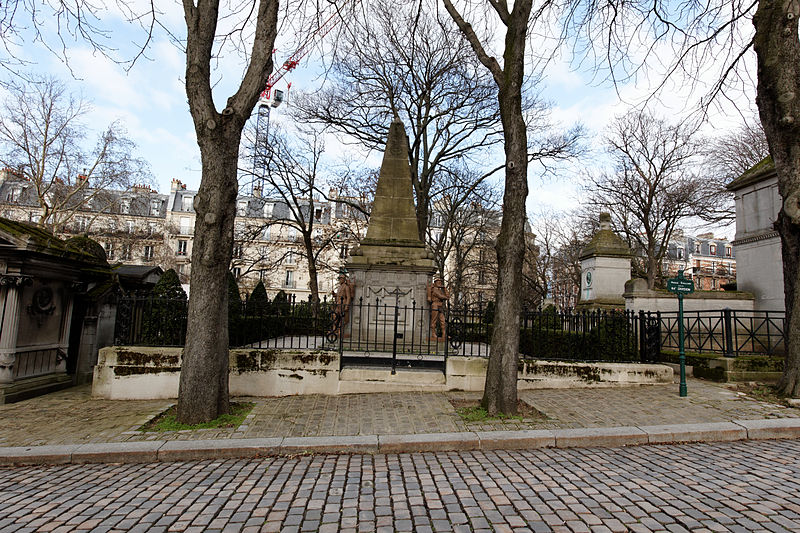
(391, 266)
(759, 260)
(605, 268)
(46, 288)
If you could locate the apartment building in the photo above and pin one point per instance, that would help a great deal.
(709, 261)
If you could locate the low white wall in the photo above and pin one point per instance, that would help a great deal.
(136, 373)
(639, 298)
(469, 373)
(142, 373)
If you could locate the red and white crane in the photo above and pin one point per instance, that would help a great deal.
(272, 97)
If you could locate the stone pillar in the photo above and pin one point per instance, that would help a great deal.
(63, 341)
(10, 327)
(605, 268)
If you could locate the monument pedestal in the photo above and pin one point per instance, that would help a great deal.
(391, 268)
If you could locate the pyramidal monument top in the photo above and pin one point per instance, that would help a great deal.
(392, 233)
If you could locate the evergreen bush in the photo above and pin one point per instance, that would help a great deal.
(164, 312)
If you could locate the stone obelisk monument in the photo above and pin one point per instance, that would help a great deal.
(391, 265)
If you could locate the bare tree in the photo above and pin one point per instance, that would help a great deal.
(404, 62)
(203, 391)
(464, 221)
(727, 157)
(652, 185)
(500, 391)
(43, 136)
(714, 39)
(295, 177)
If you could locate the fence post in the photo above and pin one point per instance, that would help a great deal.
(728, 330)
(642, 337)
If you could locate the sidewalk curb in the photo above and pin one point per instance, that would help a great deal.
(198, 450)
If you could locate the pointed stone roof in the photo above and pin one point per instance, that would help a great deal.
(605, 242)
(393, 216)
(392, 234)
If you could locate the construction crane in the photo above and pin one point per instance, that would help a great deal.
(272, 97)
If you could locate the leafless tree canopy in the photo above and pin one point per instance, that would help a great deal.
(652, 185)
(403, 61)
(43, 137)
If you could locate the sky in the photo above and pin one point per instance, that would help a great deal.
(149, 101)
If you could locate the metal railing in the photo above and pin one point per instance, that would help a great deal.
(727, 331)
(381, 331)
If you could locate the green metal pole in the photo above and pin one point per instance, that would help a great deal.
(681, 352)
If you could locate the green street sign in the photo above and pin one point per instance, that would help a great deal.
(680, 285)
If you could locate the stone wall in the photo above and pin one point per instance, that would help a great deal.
(639, 298)
(139, 373)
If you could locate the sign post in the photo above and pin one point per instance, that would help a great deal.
(681, 286)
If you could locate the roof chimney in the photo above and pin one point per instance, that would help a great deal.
(176, 184)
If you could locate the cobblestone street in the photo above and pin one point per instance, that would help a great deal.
(740, 486)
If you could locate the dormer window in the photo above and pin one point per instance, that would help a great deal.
(713, 249)
(188, 203)
(13, 195)
(268, 210)
(125, 206)
(241, 209)
(155, 208)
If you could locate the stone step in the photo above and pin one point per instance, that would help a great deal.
(416, 376)
(362, 379)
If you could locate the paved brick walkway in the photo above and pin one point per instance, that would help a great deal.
(741, 486)
(73, 417)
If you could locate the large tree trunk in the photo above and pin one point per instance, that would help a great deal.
(313, 278)
(203, 390)
(500, 390)
(778, 51)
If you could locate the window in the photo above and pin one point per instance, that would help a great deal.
(188, 203)
(148, 253)
(126, 252)
(131, 226)
(237, 272)
(237, 252)
(290, 259)
(268, 210)
(155, 207)
(110, 250)
(481, 277)
(262, 274)
(125, 206)
(343, 252)
(182, 246)
(680, 253)
(292, 234)
(266, 235)
(81, 223)
(697, 247)
(728, 251)
(186, 226)
(288, 279)
(241, 208)
(318, 213)
(13, 195)
(713, 249)
(153, 227)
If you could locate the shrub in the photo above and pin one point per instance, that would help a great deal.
(258, 303)
(164, 312)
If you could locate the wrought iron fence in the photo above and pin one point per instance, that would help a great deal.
(380, 332)
(584, 336)
(728, 332)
